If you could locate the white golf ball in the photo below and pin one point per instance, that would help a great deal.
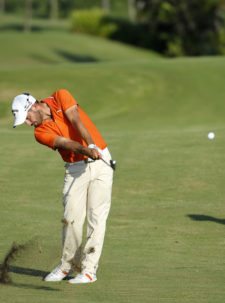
(211, 136)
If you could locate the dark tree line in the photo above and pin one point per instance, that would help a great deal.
(192, 27)
(62, 8)
(172, 27)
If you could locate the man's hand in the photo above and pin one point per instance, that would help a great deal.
(68, 144)
(94, 154)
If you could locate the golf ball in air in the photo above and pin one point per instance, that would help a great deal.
(211, 136)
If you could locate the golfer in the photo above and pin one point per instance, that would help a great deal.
(61, 124)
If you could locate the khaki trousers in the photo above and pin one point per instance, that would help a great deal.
(86, 194)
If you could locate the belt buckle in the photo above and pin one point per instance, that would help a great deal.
(88, 160)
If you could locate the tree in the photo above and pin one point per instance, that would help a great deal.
(131, 10)
(54, 9)
(183, 27)
(106, 5)
(28, 15)
(2, 6)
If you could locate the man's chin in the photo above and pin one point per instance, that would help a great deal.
(35, 124)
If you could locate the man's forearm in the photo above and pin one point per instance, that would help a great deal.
(73, 116)
(84, 133)
(76, 147)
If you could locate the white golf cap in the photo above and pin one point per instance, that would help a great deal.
(20, 106)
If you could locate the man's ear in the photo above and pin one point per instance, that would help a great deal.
(35, 105)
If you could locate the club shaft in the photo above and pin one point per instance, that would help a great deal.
(109, 164)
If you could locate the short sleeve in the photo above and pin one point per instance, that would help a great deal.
(45, 138)
(65, 99)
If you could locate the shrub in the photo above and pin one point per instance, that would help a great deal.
(93, 22)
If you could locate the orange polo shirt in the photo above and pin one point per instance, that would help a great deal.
(48, 131)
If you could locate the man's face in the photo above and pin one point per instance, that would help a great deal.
(34, 117)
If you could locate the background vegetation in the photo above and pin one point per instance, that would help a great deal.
(171, 27)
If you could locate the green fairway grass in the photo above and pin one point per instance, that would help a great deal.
(165, 235)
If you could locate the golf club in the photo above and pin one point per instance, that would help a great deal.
(111, 163)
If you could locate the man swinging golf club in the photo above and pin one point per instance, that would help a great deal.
(61, 124)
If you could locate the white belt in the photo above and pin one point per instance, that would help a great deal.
(78, 162)
(88, 160)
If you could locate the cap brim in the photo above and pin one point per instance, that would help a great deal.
(19, 119)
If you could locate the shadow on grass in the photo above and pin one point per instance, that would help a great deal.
(27, 271)
(201, 218)
(43, 59)
(19, 27)
(76, 58)
(31, 272)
